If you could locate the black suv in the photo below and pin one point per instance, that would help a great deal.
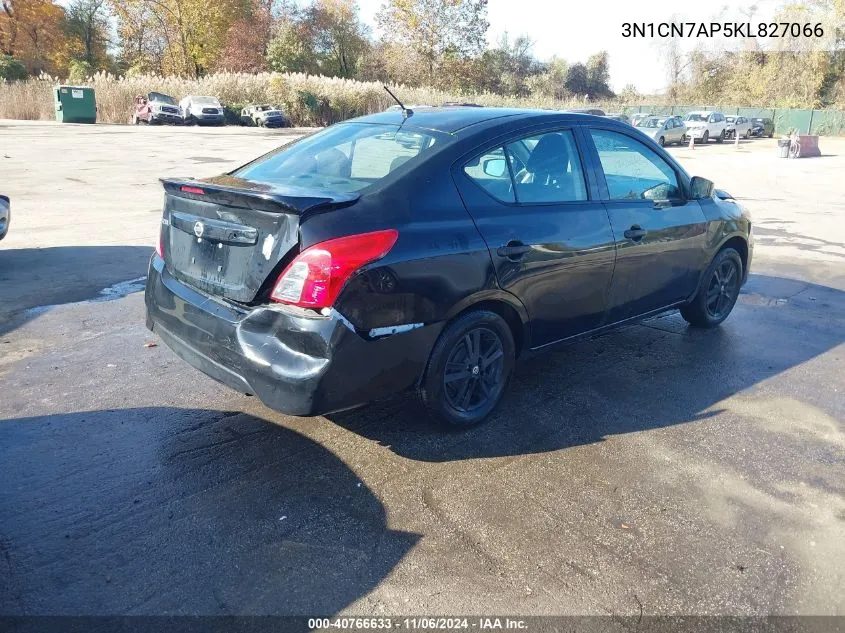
(428, 250)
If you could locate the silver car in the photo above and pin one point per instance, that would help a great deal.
(664, 130)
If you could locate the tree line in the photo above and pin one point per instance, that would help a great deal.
(436, 43)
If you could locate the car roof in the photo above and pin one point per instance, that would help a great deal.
(453, 119)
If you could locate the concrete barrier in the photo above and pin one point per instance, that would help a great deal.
(807, 146)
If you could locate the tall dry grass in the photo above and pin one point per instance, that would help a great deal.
(306, 99)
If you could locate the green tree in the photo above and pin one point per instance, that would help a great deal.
(11, 68)
(291, 50)
(577, 79)
(87, 28)
(598, 76)
(339, 38)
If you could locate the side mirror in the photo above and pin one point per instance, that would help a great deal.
(495, 167)
(700, 188)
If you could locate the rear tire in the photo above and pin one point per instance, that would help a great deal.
(718, 292)
(721, 137)
(662, 142)
(468, 370)
(705, 137)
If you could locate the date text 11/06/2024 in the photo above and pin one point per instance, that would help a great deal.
(418, 623)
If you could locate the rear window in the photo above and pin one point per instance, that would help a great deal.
(342, 158)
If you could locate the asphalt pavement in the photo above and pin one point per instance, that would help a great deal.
(654, 470)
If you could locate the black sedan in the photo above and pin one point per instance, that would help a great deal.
(428, 250)
(762, 127)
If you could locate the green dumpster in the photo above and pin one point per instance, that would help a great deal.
(75, 104)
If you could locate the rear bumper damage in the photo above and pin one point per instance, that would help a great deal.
(297, 364)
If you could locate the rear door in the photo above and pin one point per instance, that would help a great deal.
(660, 235)
(548, 235)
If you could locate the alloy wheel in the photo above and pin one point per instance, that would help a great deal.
(723, 290)
(473, 373)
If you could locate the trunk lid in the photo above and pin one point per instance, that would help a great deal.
(225, 235)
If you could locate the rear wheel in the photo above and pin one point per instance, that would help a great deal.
(706, 136)
(721, 137)
(469, 369)
(684, 140)
(662, 142)
(718, 292)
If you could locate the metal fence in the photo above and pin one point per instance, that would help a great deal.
(821, 122)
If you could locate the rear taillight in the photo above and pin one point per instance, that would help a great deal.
(194, 190)
(316, 276)
(160, 243)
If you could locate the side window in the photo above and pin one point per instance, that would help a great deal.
(547, 168)
(491, 172)
(632, 170)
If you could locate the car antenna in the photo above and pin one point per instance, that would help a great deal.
(406, 112)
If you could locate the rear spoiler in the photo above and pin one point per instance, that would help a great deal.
(234, 192)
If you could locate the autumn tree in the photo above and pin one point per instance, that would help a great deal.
(183, 37)
(248, 39)
(430, 29)
(598, 76)
(31, 32)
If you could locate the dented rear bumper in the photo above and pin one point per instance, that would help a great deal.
(297, 364)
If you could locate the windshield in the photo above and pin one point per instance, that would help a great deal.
(653, 122)
(205, 101)
(161, 98)
(342, 158)
(695, 116)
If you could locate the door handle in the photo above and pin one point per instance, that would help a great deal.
(513, 250)
(635, 233)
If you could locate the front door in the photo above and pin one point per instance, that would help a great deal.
(549, 238)
(660, 235)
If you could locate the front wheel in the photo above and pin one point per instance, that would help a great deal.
(705, 137)
(662, 142)
(468, 370)
(684, 140)
(721, 137)
(718, 292)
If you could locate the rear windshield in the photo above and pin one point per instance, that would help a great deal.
(342, 158)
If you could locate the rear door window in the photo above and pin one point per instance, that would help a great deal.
(547, 168)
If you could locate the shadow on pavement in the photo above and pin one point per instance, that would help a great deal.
(183, 511)
(34, 278)
(649, 376)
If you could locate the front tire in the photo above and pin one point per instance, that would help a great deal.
(468, 370)
(718, 292)
(705, 137)
(721, 137)
(662, 142)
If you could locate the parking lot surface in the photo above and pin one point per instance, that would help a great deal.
(653, 470)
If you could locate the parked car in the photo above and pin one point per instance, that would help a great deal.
(5, 215)
(202, 110)
(594, 111)
(263, 116)
(737, 125)
(762, 127)
(664, 130)
(619, 116)
(639, 116)
(389, 253)
(156, 108)
(706, 125)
